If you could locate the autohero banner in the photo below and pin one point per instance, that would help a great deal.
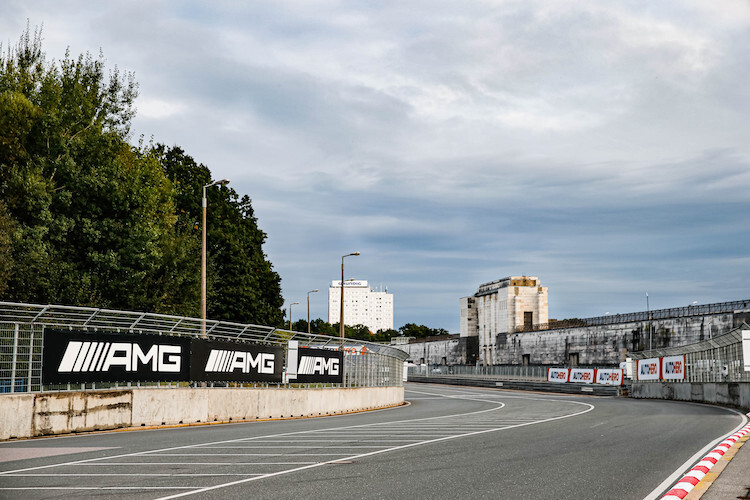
(213, 360)
(82, 357)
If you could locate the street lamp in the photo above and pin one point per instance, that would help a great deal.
(290, 315)
(222, 182)
(308, 308)
(341, 316)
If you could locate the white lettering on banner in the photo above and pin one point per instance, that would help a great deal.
(101, 356)
(746, 349)
(582, 375)
(607, 376)
(557, 374)
(648, 369)
(673, 367)
(312, 365)
(223, 361)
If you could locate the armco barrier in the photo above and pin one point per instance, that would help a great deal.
(41, 414)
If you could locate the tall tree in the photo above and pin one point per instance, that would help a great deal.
(89, 219)
(242, 285)
(91, 214)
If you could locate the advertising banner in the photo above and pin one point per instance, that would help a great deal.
(319, 366)
(558, 374)
(582, 375)
(218, 361)
(648, 369)
(746, 349)
(609, 376)
(82, 357)
(673, 367)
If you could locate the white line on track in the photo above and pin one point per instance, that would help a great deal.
(363, 430)
(386, 450)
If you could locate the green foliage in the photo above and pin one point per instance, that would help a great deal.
(88, 219)
(242, 285)
(420, 331)
(361, 332)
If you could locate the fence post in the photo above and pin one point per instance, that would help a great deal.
(31, 356)
(14, 359)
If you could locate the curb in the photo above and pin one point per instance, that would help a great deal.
(685, 485)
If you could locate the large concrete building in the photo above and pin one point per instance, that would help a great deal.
(508, 305)
(506, 323)
(362, 305)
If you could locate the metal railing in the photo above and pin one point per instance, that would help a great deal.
(22, 327)
(715, 360)
(504, 372)
(656, 314)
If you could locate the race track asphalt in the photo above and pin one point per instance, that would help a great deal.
(449, 442)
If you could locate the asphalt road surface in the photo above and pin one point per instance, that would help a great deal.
(449, 442)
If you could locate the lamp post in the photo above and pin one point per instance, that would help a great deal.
(290, 315)
(222, 182)
(648, 317)
(308, 308)
(341, 316)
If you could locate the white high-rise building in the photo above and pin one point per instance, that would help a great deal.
(362, 305)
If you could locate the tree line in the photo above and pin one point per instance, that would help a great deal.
(362, 332)
(88, 219)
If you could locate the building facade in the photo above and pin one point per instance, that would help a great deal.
(362, 305)
(508, 305)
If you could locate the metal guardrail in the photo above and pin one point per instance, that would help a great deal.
(655, 315)
(718, 359)
(22, 327)
(505, 372)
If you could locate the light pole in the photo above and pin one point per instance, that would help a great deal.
(308, 308)
(648, 317)
(222, 182)
(290, 315)
(341, 316)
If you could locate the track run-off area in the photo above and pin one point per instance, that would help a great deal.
(447, 442)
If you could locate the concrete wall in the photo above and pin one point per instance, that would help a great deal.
(42, 414)
(735, 394)
(450, 351)
(606, 344)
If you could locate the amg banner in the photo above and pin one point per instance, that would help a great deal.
(213, 360)
(81, 357)
(320, 366)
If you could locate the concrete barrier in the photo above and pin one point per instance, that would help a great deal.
(735, 394)
(43, 414)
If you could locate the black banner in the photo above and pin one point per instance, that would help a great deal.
(82, 357)
(319, 366)
(235, 362)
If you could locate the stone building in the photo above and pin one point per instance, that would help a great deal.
(508, 305)
(506, 323)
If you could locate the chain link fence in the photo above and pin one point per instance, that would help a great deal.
(22, 328)
(716, 360)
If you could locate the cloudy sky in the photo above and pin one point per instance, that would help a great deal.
(601, 146)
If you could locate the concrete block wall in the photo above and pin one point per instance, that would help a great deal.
(43, 414)
(607, 344)
(735, 394)
(437, 352)
(593, 345)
